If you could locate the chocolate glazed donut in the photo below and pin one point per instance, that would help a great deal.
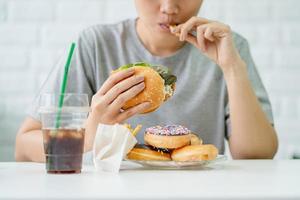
(145, 152)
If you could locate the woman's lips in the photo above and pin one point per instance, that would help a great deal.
(165, 27)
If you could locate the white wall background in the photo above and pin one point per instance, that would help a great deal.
(33, 33)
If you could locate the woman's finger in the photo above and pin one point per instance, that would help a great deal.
(190, 26)
(217, 30)
(192, 39)
(119, 102)
(121, 87)
(133, 111)
(186, 28)
(200, 38)
(114, 79)
(208, 34)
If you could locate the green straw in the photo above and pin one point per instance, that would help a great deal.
(64, 84)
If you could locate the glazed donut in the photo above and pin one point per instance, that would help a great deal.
(167, 137)
(195, 139)
(195, 153)
(143, 152)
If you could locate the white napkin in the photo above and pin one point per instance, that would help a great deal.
(111, 145)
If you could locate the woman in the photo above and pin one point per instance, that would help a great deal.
(219, 93)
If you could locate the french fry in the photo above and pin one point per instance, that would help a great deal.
(136, 130)
(127, 126)
(172, 28)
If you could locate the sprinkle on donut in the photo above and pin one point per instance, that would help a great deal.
(169, 130)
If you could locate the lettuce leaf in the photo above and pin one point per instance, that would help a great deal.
(163, 71)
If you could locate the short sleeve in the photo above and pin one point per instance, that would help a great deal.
(256, 83)
(80, 77)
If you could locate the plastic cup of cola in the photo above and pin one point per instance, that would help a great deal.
(63, 131)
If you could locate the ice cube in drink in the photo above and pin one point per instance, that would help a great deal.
(63, 149)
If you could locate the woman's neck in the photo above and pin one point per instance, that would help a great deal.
(158, 46)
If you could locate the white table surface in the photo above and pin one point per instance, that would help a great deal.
(250, 179)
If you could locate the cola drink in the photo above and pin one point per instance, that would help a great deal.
(63, 149)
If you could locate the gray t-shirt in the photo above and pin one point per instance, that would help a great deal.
(200, 101)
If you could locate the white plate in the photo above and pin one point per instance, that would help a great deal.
(177, 165)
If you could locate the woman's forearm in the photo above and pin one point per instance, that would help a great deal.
(252, 135)
(29, 147)
(90, 132)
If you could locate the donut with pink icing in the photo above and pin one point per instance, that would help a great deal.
(167, 137)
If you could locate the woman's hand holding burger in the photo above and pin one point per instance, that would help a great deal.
(120, 87)
(107, 103)
(212, 38)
